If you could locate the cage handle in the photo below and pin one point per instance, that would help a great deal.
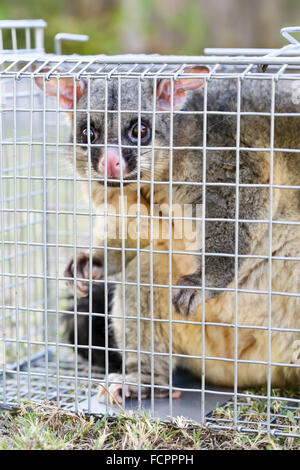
(285, 32)
(67, 37)
(293, 44)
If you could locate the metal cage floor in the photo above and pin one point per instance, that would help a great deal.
(22, 386)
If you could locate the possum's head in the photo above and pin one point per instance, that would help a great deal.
(119, 121)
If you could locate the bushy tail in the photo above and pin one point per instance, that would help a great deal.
(98, 324)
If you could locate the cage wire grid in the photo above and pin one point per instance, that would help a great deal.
(45, 221)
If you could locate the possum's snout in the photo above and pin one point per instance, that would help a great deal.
(115, 164)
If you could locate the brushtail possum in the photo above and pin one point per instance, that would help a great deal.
(225, 145)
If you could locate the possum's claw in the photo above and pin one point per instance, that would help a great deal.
(115, 392)
(83, 272)
(186, 301)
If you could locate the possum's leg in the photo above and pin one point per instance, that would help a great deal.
(83, 272)
(187, 300)
(219, 270)
(146, 346)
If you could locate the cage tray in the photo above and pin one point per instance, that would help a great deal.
(23, 384)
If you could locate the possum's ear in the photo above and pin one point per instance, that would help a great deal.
(66, 89)
(181, 87)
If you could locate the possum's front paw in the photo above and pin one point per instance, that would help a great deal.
(187, 301)
(82, 272)
(116, 389)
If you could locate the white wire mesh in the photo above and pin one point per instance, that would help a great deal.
(45, 222)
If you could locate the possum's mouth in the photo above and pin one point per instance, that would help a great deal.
(131, 178)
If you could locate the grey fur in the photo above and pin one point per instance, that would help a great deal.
(220, 200)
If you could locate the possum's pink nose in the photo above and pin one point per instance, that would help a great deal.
(113, 163)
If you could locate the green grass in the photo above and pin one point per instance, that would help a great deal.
(47, 426)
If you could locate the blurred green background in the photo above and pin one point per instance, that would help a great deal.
(162, 26)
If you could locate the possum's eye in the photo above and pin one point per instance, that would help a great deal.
(133, 132)
(85, 133)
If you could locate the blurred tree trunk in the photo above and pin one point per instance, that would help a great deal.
(133, 23)
(89, 8)
(244, 23)
(141, 18)
(168, 37)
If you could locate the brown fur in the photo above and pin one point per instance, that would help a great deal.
(219, 340)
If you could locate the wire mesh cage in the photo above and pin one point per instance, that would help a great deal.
(150, 235)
